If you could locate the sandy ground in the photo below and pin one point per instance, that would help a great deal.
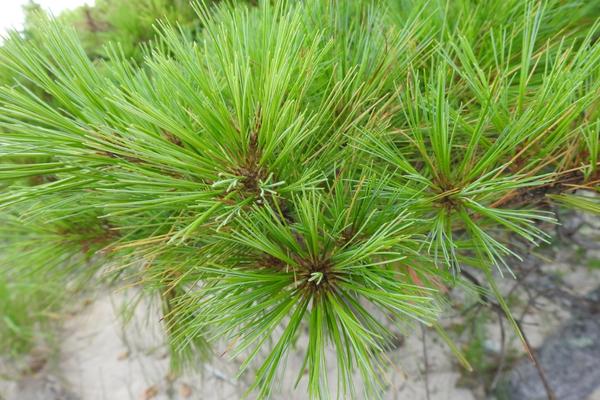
(101, 360)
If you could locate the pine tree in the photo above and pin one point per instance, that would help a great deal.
(324, 166)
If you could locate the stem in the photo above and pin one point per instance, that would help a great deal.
(495, 306)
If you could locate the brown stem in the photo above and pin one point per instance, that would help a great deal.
(538, 366)
(486, 299)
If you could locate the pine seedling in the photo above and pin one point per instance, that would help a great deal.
(310, 166)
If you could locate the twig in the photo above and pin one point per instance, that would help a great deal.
(485, 298)
(538, 366)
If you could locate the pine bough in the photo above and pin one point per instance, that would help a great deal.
(316, 166)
